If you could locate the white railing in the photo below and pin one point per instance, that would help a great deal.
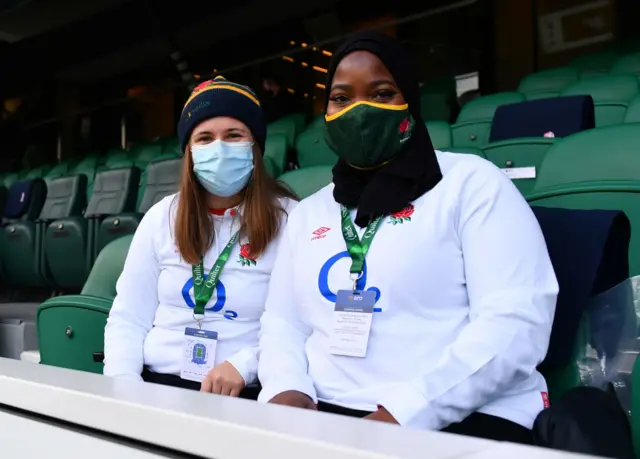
(202, 425)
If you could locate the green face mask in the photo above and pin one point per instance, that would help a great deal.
(367, 134)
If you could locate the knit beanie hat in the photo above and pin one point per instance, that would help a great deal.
(219, 97)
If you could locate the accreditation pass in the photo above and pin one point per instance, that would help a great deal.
(352, 318)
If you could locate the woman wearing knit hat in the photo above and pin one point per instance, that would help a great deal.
(192, 291)
(429, 300)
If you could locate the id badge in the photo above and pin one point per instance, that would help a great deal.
(352, 318)
(199, 353)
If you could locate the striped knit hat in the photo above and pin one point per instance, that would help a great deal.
(219, 97)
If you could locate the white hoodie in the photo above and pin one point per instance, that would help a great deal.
(154, 302)
(466, 299)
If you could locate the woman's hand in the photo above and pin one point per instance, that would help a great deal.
(224, 380)
(294, 398)
(382, 415)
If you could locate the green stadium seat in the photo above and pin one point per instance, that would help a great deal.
(38, 172)
(595, 64)
(313, 149)
(317, 121)
(59, 170)
(114, 192)
(71, 327)
(10, 179)
(440, 133)
(627, 65)
(595, 169)
(87, 166)
(611, 95)
(519, 158)
(290, 126)
(547, 83)
(172, 147)
(436, 106)
(117, 159)
(163, 179)
(275, 153)
(306, 181)
(632, 115)
(474, 121)
(26, 264)
(142, 154)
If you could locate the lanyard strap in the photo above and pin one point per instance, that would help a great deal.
(203, 289)
(357, 247)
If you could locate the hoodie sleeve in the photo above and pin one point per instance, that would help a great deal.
(282, 356)
(134, 307)
(512, 292)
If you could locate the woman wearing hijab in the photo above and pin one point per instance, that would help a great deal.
(416, 288)
(193, 288)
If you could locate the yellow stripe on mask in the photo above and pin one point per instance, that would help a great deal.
(364, 102)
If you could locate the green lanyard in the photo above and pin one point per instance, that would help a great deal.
(203, 289)
(357, 247)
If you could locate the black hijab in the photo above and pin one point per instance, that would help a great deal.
(415, 170)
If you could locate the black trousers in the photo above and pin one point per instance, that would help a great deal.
(476, 425)
(250, 392)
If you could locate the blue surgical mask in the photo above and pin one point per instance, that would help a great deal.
(223, 168)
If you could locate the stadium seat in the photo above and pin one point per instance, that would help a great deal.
(440, 133)
(275, 153)
(313, 149)
(474, 121)
(317, 121)
(117, 159)
(589, 251)
(59, 170)
(24, 202)
(163, 178)
(519, 133)
(547, 83)
(290, 126)
(114, 192)
(71, 327)
(25, 264)
(595, 169)
(632, 115)
(306, 181)
(596, 64)
(436, 106)
(10, 179)
(611, 95)
(627, 65)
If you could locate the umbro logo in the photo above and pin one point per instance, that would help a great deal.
(320, 233)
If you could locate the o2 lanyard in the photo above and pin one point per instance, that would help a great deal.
(357, 247)
(203, 289)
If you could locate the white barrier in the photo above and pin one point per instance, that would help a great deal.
(209, 426)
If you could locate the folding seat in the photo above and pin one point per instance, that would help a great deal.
(589, 250)
(142, 154)
(71, 327)
(172, 146)
(595, 169)
(611, 95)
(163, 178)
(547, 83)
(313, 149)
(70, 244)
(290, 126)
(474, 121)
(275, 154)
(116, 159)
(440, 133)
(59, 170)
(24, 203)
(627, 65)
(632, 115)
(595, 64)
(306, 181)
(10, 179)
(26, 264)
(522, 133)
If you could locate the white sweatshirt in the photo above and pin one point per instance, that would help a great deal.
(154, 302)
(467, 296)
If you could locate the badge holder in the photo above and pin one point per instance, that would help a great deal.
(352, 319)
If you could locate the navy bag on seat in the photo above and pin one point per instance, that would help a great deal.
(562, 116)
(18, 200)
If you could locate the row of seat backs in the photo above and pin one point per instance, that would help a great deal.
(616, 99)
(551, 82)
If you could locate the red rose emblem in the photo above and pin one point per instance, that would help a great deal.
(403, 215)
(245, 255)
(404, 125)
